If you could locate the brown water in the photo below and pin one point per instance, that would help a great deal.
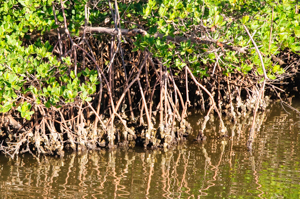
(219, 168)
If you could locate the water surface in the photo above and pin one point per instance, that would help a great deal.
(217, 168)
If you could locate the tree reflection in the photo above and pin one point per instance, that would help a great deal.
(219, 167)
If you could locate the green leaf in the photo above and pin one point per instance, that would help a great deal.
(212, 56)
(260, 71)
(88, 99)
(245, 19)
(28, 115)
(6, 107)
(275, 68)
(25, 110)
(179, 5)
(48, 104)
(146, 11)
(162, 11)
(72, 75)
(60, 18)
(295, 48)
(271, 76)
(246, 68)
(297, 31)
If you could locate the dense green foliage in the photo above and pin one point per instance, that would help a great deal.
(222, 21)
(29, 68)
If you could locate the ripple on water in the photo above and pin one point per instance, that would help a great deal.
(218, 168)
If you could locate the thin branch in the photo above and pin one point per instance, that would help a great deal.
(133, 32)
